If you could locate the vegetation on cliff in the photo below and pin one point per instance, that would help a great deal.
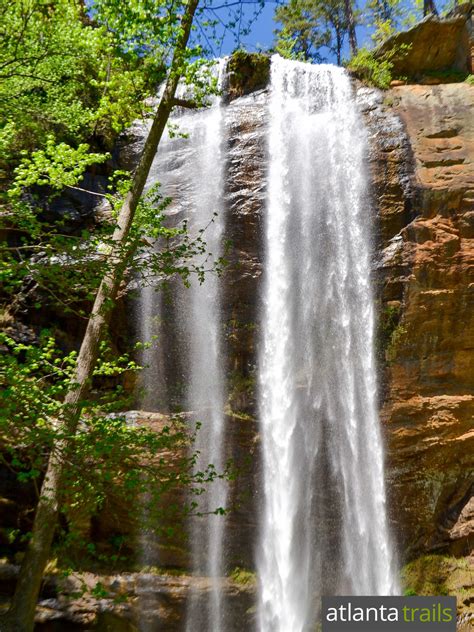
(440, 575)
(84, 81)
(401, 44)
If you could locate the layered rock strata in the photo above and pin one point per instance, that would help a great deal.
(422, 160)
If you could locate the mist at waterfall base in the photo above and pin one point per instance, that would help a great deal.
(323, 524)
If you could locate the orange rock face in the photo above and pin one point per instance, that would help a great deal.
(427, 291)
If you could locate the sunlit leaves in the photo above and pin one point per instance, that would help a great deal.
(384, 17)
(62, 74)
(57, 166)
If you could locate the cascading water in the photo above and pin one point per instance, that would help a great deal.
(190, 170)
(324, 526)
(206, 385)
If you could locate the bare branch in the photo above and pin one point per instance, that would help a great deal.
(185, 103)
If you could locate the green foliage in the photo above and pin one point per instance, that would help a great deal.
(396, 340)
(47, 267)
(63, 75)
(389, 320)
(438, 575)
(34, 379)
(336, 20)
(69, 83)
(470, 80)
(107, 452)
(243, 577)
(141, 25)
(390, 332)
(383, 30)
(309, 26)
(241, 388)
(409, 592)
(384, 17)
(57, 166)
(374, 71)
(302, 33)
(83, 82)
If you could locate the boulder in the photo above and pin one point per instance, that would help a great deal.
(434, 45)
(129, 602)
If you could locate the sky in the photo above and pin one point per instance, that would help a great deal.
(261, 35)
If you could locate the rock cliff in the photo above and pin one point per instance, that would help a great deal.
(421, 162)
(435, 49)
(424, 172)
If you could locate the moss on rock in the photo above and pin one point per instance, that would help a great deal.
(247, 73)
(243, 577)
(441, 575)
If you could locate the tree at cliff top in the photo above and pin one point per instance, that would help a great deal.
(351, 25)
(307, 26)
(139, 30)
(310, 26)
(384, 17)
(429, 6)
(302, 33)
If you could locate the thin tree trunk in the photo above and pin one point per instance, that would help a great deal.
(387, 11)
(351, 26)
(338, 46)
(20, 617)
(429, 7)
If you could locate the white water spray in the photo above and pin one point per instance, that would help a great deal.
(206, 397)
(190, 170)
(324, 526)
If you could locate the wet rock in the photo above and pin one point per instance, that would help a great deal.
(461, 533)
(247, 72)
(129, 602)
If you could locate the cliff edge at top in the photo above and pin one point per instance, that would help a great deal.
(433, 47)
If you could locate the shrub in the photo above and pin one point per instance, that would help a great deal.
(374, 71)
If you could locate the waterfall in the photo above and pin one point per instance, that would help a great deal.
(324, 526)
(206, 384)
(189, 167)
(323, 523)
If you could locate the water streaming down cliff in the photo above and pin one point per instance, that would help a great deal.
(324, 526)
(206, 386)
(190, 170)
